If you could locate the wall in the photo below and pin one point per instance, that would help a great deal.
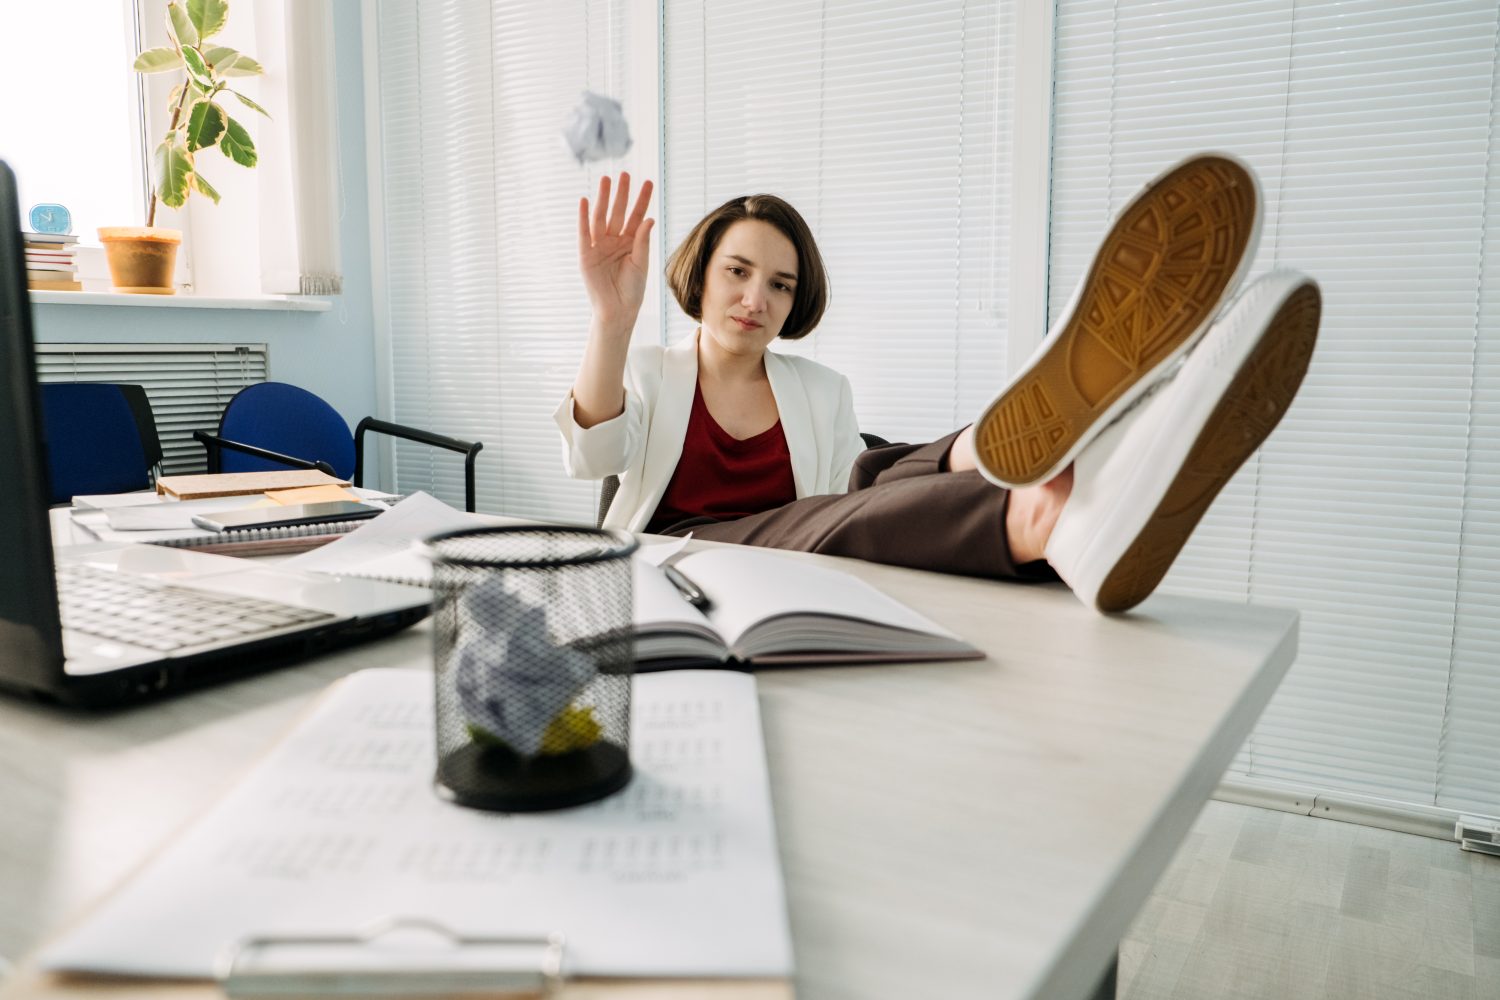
(330, 353)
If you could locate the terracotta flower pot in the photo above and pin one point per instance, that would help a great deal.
(141, 258)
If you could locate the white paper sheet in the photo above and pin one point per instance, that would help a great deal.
(338, 827)
(658, 552)
(176, 515)
(384, 547)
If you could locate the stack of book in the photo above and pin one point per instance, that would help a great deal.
(50, 262)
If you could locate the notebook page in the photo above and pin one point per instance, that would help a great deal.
(748, 586)
(338, 826)
(666, 626)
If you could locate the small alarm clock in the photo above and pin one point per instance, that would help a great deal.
(50, 218)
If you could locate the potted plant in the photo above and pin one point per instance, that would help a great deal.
(142, 258)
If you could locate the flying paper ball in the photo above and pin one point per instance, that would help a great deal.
(597, 129)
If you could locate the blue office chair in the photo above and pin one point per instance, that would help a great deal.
(101, 438)
(273, 425)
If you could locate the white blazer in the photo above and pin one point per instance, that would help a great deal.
(642, 445)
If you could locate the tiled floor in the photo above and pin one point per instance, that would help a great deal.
(1268, 904)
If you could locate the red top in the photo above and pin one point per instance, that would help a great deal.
(722, 477)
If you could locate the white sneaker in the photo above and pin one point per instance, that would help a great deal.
(1174, 255)
(1141, 487)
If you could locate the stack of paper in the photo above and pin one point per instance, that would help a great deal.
(160, 520)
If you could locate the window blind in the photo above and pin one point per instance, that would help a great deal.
(188, 384)
(486, 314)
(1375, 507)
(888, 127)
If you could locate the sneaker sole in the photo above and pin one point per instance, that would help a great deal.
(1156, 282)
(1257, 398)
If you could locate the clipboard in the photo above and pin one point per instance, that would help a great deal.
(318, 968)
(351, 965)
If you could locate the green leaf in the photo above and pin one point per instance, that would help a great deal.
(217, 55)
(205, 187)
(237, 145)
(173, 169)
(197, 67)
(180, 26)
(240, 65)
(205, 125)
(250, 104)
(157, 60)
(208, 16)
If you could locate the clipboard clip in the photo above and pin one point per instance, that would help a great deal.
(394, 958)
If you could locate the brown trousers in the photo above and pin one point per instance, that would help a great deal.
(903, 508)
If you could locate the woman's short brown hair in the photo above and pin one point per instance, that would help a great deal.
(689, 262)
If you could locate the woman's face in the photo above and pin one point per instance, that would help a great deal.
(748, 287)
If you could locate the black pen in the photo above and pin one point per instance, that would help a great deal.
(687, 588)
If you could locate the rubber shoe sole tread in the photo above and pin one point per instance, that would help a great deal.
(1156, 282)
(1254, 403)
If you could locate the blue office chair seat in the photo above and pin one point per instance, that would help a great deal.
(101, 438)
(272, 425)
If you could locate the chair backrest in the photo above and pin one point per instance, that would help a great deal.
(610, 485)
(289, 420)
(94, 442)
(145, 421)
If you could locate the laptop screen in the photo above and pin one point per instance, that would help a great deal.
(30, 634)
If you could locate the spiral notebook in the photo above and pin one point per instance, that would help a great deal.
(169, 524)
(265, 541)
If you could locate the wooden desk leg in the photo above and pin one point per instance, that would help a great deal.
(1106, 990)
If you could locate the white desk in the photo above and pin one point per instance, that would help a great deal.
(951, 830)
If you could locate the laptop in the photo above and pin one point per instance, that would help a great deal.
(106, 624)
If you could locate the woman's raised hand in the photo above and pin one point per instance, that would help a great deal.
(614, 252)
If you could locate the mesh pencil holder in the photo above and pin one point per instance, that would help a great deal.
(533, 655)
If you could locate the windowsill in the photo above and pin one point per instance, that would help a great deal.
(291, 303)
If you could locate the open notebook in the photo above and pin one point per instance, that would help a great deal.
(774, 610)
(768, 608)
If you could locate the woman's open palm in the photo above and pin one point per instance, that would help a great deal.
(614, 251)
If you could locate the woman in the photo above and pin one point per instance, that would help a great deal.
(719, 436)
(723, 438)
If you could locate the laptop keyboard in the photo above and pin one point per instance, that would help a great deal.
(164, 617)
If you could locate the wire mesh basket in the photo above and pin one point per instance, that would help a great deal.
(533, 655)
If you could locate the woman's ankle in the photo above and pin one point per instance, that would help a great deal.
(1032, 513)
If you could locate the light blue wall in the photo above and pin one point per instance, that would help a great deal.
(330, 353)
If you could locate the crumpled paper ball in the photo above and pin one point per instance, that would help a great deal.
(597, 129)
(515, 689)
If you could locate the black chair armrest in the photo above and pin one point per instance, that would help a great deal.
(213, 443)
(469, 449)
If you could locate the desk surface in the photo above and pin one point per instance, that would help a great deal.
(963, 829)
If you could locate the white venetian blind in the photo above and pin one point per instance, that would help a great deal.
(1375, 508)
(487, 315)
(887, 125)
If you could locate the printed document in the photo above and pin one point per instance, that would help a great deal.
(338, 828)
